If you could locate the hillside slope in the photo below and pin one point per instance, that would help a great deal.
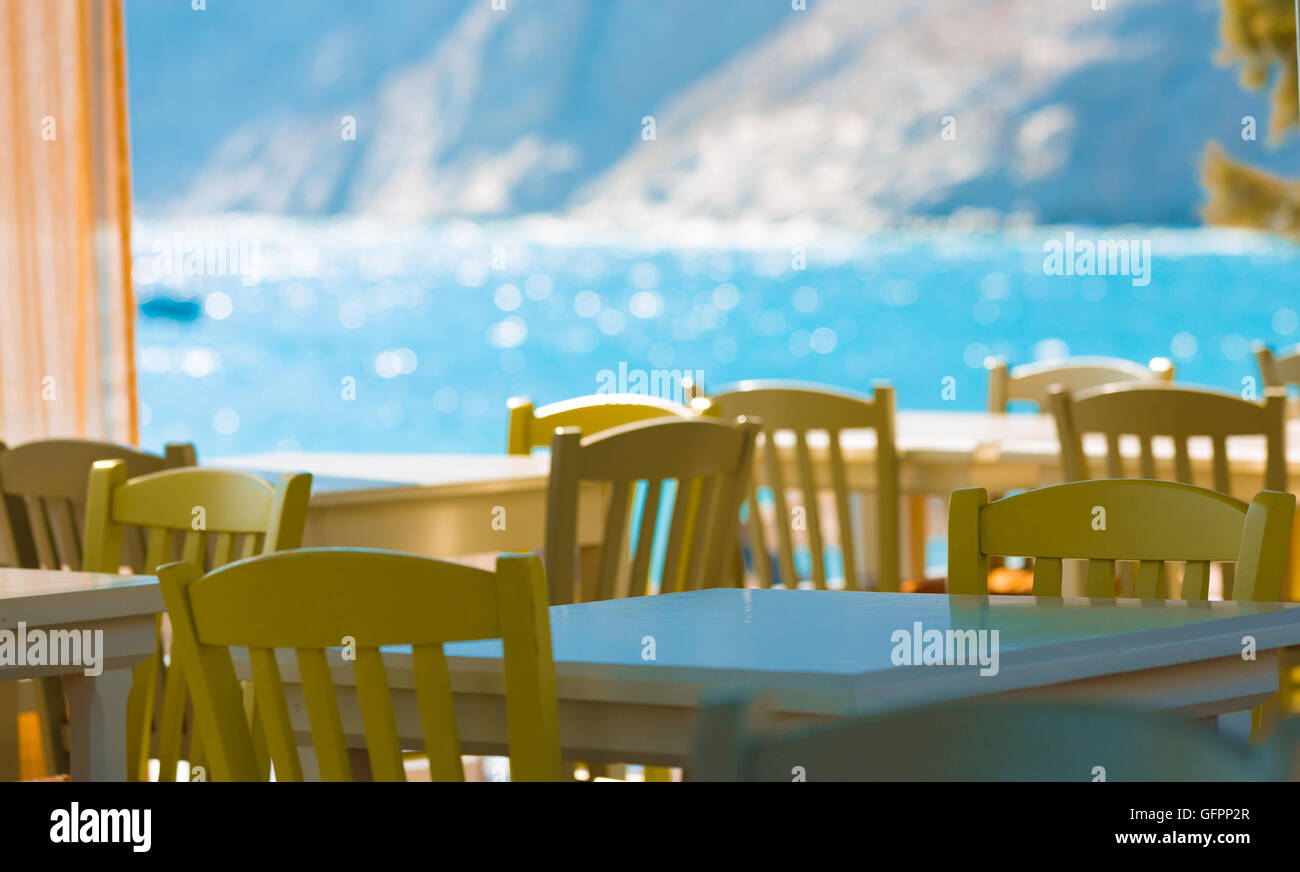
(836, 114)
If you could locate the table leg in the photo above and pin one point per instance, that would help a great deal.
(1291, 584)
(97, 724)
(8, 731)
(916, 507)
(1235, 726)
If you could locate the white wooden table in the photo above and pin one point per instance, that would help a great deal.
(122, 607)
(940, 451)
(821, 655)
(438, 505)
(443, 505)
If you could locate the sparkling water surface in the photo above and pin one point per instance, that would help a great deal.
(348, 335)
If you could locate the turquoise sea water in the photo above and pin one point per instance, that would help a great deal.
(347, 335)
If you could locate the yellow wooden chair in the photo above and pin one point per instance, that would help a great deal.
(1278, 372)
(1151, 522)
(798, 410)
(982, 741)
(310, 600)
(1174, 412)
(244, 515)
(1113, 520)
(533, 428)
(709, 461)
(42, 516)
(1031, 382)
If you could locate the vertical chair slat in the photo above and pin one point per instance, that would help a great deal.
(1114, 459)
(36, 517)
(698, 546)
(1182, 461)
(675, 562)
(159, 550)
(776, 481)
(323, 714)
(1146, 457)
(64, 527)
(1222, 478)
(1196, 580)
(758, 539)
(808, 487)
(251, 546)
(612, 541)
(692, 517)
(640, 582)
(1101, 578)
(1047, 576)
(844, 517)
(1150, 580)
(377, 716)
(196, 546)
(437, 713)
(224, 551)
(271, 705)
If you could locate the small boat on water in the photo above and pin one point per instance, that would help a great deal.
(173, 308)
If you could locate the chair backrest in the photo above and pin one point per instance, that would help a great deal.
(708, 462)
(533, 428)
(1174, 412)
(985, 741)
(243, 514)
(318, 599)
(43, 497)
(1031, 382)
(1122, 519)
(1278, 372)
(793, 412)
(183, 510)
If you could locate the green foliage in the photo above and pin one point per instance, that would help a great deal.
(1258, 34)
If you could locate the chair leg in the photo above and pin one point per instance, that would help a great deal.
(260, 749)
(52, 709)
(175, 696)
(139, 717)
(9, 731)
(197, 757)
